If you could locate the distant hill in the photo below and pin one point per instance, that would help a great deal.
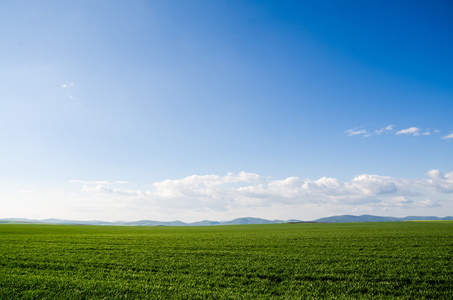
(371, 218)
(246, 221)
(238, 221)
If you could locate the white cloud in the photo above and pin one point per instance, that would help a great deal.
(450, 136)
(415, 131)
(429, 203)
(372, 185)
(389, 127)
(384, 129)
(442, 183)
(67, 85)
(357, 131)
(399, 201)
(435, 174)
(68, 88)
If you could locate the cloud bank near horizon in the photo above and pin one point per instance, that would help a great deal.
(250, 190)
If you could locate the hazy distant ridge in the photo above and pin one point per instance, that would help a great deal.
(238, 221)
(371, 218)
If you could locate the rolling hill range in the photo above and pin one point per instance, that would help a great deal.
(238, 221)
(371, 218)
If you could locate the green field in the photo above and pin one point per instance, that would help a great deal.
(407, 260)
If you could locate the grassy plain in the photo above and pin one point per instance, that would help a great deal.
(407, 260)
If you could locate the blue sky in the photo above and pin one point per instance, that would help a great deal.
(190, 110)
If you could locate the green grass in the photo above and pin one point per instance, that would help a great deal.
(407, 260)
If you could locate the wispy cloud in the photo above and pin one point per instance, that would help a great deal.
(68, 88)
(415, 131)
(357, 131)
(428, 203)
(67, 85)
(447, 137)
(384, 129)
